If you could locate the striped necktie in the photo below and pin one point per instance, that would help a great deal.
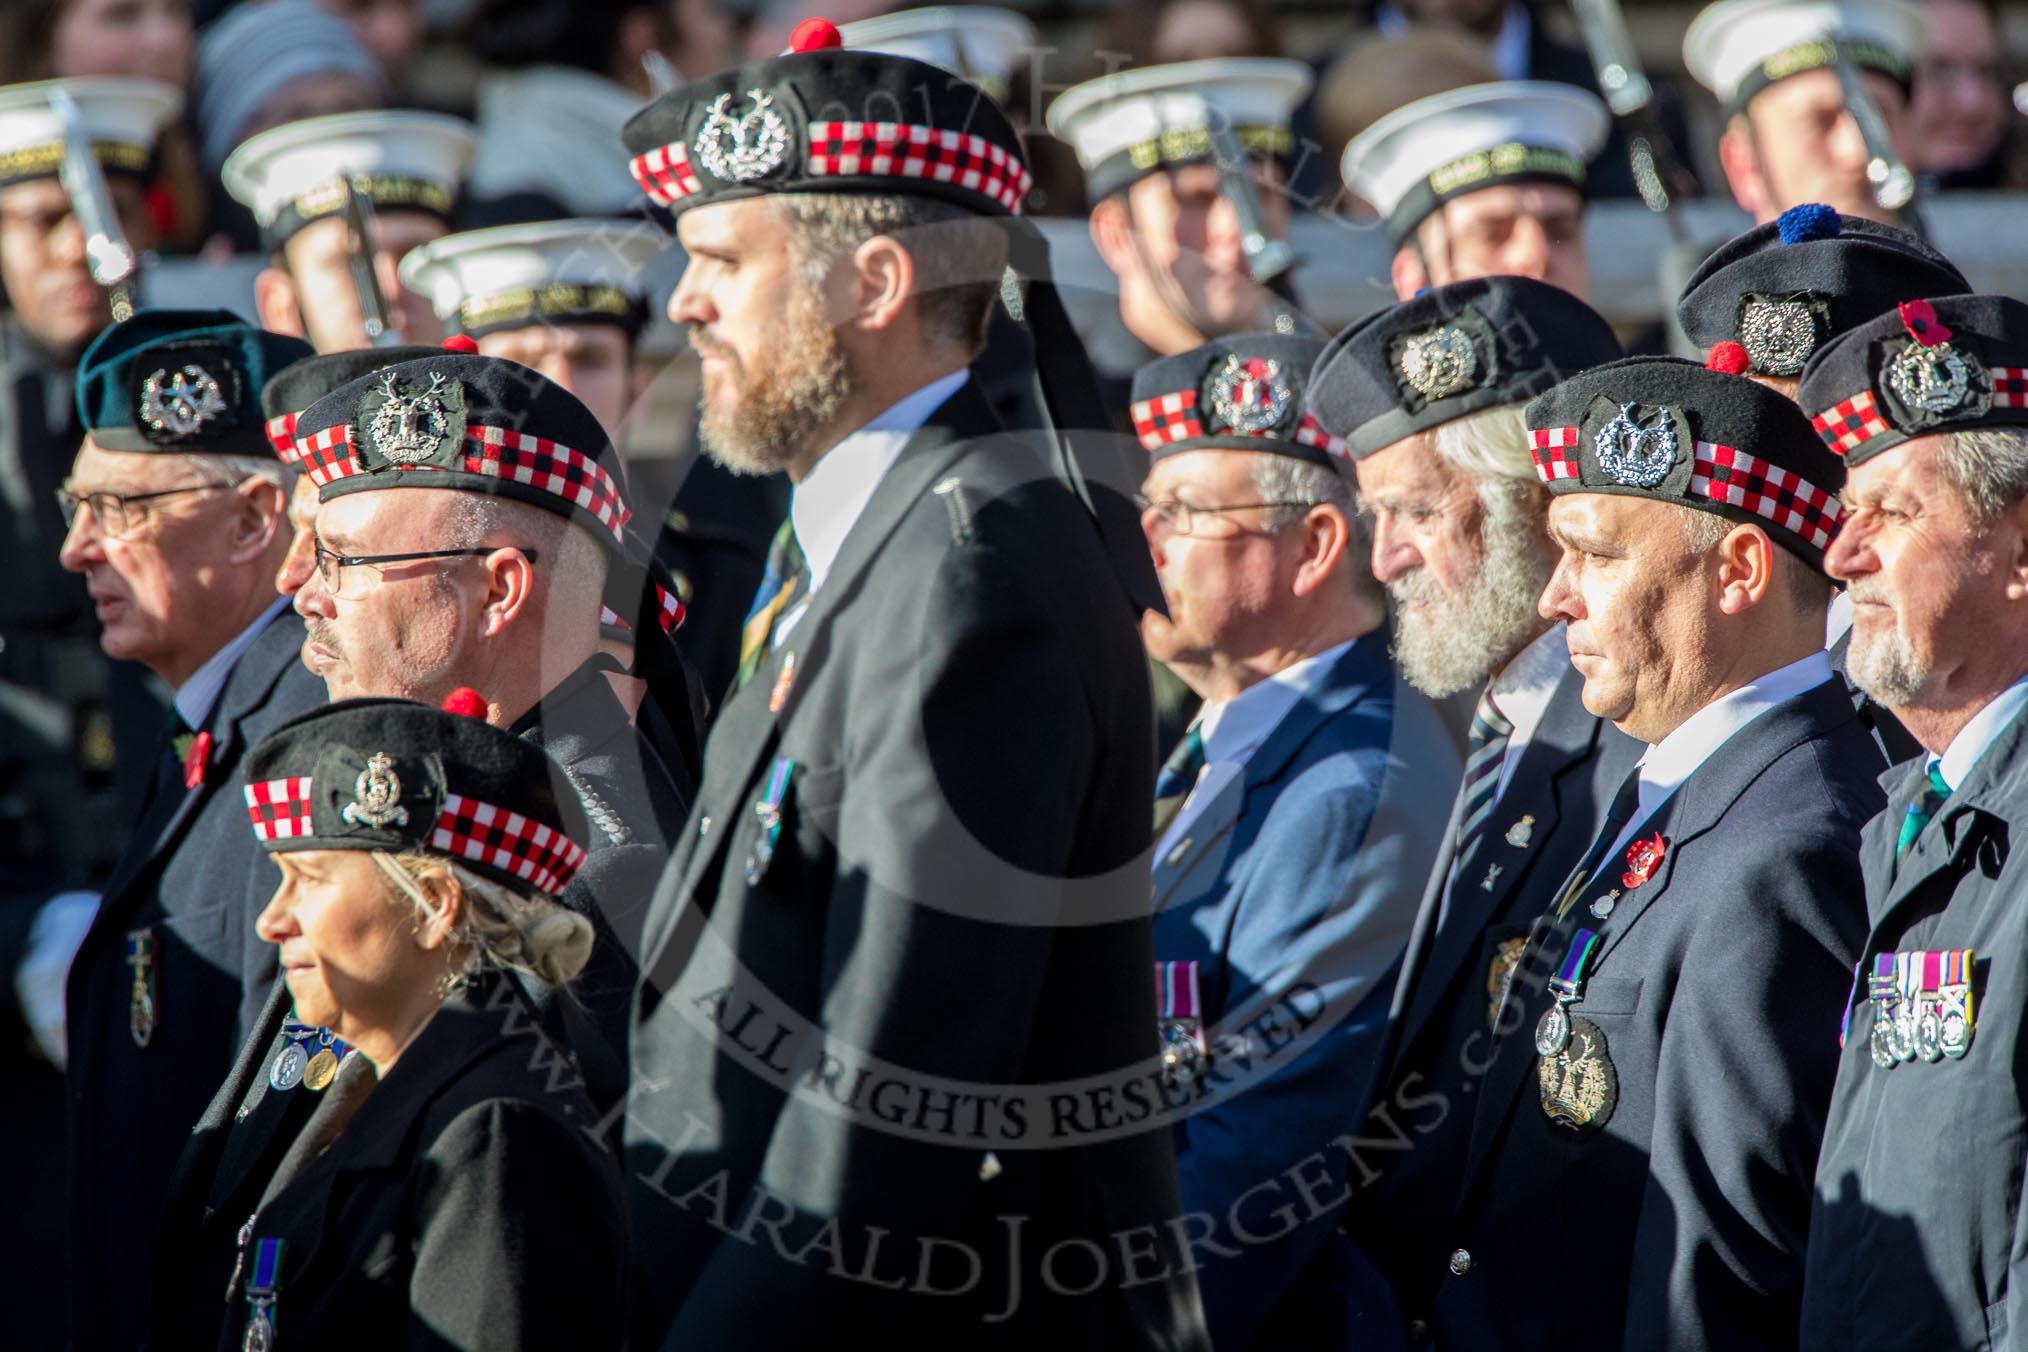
(1486, 749)
(1178, 777)
(1921, 810)
(783, 579)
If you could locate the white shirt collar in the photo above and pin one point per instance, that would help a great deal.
(1509, 47)
(1676, 757)
(1524, 687)
(1234, 729)
(1975, 737)
(196, 696)
(831, 497)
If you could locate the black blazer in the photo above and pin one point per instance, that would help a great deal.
(1680, 1222)
(462, 1206)
(195, 877)
(967, 688)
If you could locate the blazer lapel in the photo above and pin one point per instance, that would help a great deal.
(1950, 834)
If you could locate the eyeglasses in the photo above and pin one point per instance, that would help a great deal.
(331, 567)
(1180, 518)
(117, 513)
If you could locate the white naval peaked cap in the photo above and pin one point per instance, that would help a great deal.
(1130, 123)
(1423, 154)
(399, 160)
(507, 276)
(121, 117)
(980, 43)
(1737, 48)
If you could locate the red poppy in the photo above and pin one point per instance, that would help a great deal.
(195, 760)
(1643, 858)
(1919, 318)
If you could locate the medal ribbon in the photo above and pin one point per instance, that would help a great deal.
(1569, 978)
(1176, 990)
(267, 1267)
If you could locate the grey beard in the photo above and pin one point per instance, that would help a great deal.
(1887, 669)
(786, 403)
(1459, 637)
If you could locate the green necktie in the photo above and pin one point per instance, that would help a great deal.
(1178, 777)
(782, 582)
(1921, 810)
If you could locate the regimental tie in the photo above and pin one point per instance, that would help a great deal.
(1618, 814)
(1179, 776)
(785, 577)
(1486, 749)
(1925, 806)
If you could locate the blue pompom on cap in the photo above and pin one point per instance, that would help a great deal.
(1811, 220)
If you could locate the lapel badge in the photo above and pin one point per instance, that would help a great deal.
(1778, 335)
(1440, 363)
(1643, 858)
(1521, 832)
(196, 758)
(376, 795)
(1635, 454)
(141, 1020)
(740, 148)
(177, 404)
(1250, 395)
(1929, 375)
(1603, 907)
(784, 682)
(1492, 876)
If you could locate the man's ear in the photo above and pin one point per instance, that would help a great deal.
(1746, 566)
(1407, 273)
(1326, 535)
(510, 582)
(883, 279)
(1112, 236)
(1739, 158)
(275, 303)
(446, 899)
(260, 514)
(2017, 566)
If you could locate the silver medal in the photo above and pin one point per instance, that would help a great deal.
(1954, 1035)
(287, 1071)
(1929, 1034)
(1552, 1030)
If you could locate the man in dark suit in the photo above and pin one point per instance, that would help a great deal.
(894, 1005)
(177, 523)
(1915, 1237)
(1297, 815)
(1641, 1147)
(1461, 541)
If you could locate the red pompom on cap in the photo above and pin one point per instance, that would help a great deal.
(816, 35)
(461, 342)
(1727, 357)
(467, 701)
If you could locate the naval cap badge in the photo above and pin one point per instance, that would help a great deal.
(1440, 363)
(1250, 395)
(741, 147)
(376, 795)
(177, 404)
(1636, 454)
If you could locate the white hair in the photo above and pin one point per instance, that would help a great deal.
(500, 927)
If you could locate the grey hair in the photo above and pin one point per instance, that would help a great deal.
(234, 468)
(1279, 478)
(1808, 589)
(471, 519)
(1987, 467)
(959, 255)
(500, 927)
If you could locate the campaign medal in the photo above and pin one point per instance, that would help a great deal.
(260, 1296)
(1552, 1030)
(1179, 1024)
(323, 1067)
(1579, 1086)
(1907, 996)
(1954, 1002)
(289, 1066)
(141, 1008)
(1886, 997)
(769, 811)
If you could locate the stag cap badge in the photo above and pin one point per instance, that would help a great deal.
(1778, 335)
(1440, 363)
(406, 426)
(1250, 395)
(1936, 381)
(177, 404)
(1633, 454)
(741, 148)
(376, 795)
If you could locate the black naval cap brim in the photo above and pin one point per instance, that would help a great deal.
(1451, 352)
(1953, 363)
(1672, 431)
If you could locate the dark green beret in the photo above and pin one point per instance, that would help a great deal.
(181, 380)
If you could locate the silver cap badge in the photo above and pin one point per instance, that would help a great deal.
(742, 148)
(1440, 363)
(179, 403)
(1637, 456)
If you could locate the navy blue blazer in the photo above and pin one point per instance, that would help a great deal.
(1679, 1220)
(1292, 889)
